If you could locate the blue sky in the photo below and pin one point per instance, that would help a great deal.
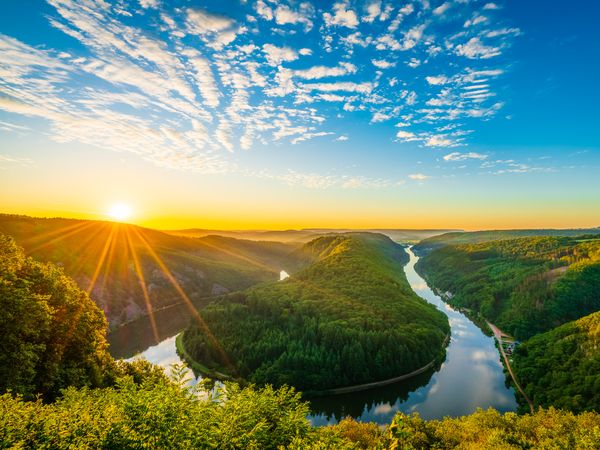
(332, 103)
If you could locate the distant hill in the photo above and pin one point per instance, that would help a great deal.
(307, 234)
(561, 368)
(349, 317)
(109, 260)
(473, 237)
(524, 286)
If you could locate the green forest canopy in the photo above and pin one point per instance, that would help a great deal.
(524, 286)
(562, 367)
(474, 237)
(348, 318)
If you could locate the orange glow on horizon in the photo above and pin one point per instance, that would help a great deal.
(443, 219)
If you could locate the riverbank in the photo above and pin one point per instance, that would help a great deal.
(197, 367)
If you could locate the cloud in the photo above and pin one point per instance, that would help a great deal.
(456, 156)
(316, 72)
(418, 176)
(285, 15)
(475, 49)
(276, 55)
(342, 16)
(373, 11)
(380, 117)
(342, 138)
(406, 136)
(437, 80)
(438, 141)
(441, 9)
(490, 6)
(382, 63)
(202, 22)
(149, 3)
(263, 10)
(307, 136)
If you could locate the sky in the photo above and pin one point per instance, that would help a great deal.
(272, 114)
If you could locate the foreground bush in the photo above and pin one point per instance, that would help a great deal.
(160, 414)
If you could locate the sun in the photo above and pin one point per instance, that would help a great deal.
(120, 212)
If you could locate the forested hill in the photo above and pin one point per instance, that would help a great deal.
(524, 286)
(474, 237)
(561, 367)
(120, 264)
(348, 318)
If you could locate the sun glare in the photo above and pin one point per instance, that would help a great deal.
(120, 212)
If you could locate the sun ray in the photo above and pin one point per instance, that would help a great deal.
(78, 265)
(59, 238)
(100, 263)
(242, 257)
(74, 321)
(140, 275)
(110, 258)
(195, 314)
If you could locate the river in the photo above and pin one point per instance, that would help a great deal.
(471, 377)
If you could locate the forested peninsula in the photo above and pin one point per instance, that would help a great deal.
(348, 318)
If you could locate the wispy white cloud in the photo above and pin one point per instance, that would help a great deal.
(340, 86)
(456, 156)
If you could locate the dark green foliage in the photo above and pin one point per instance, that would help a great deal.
(52, 334)
(562, 367)
(348, 318)
(474, 237)
(524, 286)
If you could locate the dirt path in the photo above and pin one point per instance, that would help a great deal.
(498, 333)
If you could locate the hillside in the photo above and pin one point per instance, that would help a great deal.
(474, 237)
(561, 367)
(129, 270)
(307, 234)
(348, 318)
(524, 286)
